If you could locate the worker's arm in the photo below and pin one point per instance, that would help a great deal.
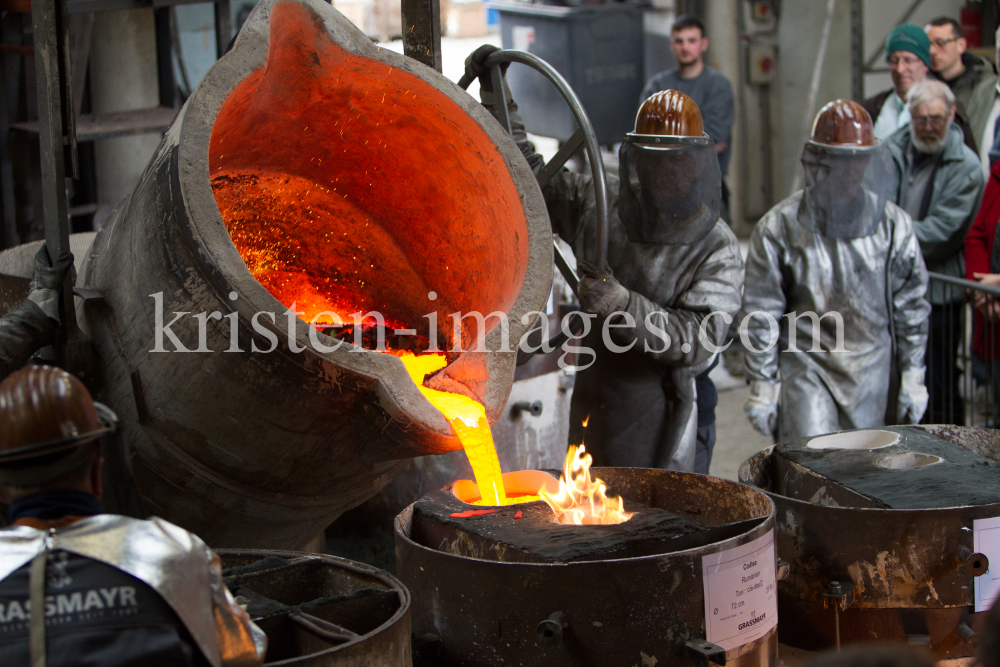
(718, 112)
(908, 284)
(763, 295)
(690, 331)
(23, 331)
(35, 323)
(567, 194)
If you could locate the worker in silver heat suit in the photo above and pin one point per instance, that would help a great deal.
(838, 246)
(675, 267)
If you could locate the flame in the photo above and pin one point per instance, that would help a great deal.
(581, 500)
(468, 417)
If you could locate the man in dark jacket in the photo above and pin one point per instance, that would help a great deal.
(111, 590)
(949, 61)
(907, 51)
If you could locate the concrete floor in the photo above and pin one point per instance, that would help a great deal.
(735, 439)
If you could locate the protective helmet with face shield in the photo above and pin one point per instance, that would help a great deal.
(671, 187)
(849, 174)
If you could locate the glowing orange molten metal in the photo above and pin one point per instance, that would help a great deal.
(468, 418)
(581, 500)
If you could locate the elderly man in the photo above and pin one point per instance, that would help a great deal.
(908, 53)
(114, 590)
(949, 61)
(833, 299)
(940, 185)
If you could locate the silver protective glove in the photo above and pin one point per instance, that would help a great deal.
(599, 292)
(47, 281)
(762, 406)
(912, 397)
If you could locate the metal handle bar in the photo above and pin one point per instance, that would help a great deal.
(585, 134)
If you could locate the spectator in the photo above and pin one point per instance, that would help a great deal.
(940, 184)
(982, 264)
(708, 87)
(907, 50)
(875, 655)
(984, 111)
(152, 592)
(960, 70)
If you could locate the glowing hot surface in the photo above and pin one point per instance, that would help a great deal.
(468, 418)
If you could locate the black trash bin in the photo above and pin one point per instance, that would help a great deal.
(599, 51)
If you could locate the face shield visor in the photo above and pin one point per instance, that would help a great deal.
(846, 189)
(671, 188)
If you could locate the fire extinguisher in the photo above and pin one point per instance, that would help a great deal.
(971, 19)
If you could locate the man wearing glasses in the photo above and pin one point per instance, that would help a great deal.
(940, 185)
(908, 54)
(960, 70)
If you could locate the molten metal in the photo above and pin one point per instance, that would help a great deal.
(582, 500)
(468, 418)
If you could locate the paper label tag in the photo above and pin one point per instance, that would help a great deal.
(986, 540)
(741, 597)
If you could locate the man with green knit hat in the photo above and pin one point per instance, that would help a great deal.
(908, 53)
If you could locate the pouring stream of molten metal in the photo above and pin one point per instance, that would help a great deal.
(468, 417)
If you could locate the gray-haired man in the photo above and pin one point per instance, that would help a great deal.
(940, 186)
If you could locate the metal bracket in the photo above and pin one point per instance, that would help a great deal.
(839, 594)
(709, 652)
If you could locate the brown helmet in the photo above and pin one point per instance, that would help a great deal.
(844, 124)
(671, 113)
(46, 412)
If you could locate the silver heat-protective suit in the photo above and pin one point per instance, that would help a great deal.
(839, 246)
(682, 268)
(170, 560)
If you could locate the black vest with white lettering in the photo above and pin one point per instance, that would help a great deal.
(95, 614)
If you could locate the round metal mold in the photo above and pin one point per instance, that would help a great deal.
(615, 612)
(322, 611)
(910, 571)
(866, 439)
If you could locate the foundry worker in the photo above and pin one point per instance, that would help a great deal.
(115, 590)
(838, 249)
(34, 324)
(675, 270)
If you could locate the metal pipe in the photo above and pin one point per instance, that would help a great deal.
(422, 31)
(817, 75)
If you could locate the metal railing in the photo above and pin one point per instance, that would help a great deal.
(963, 353)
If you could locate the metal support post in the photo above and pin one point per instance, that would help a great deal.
(422, 31)
(857, 50)
(223, 27)
(56, 127)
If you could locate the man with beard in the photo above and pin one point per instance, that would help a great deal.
(834, 293)
(671, 287)
(940, 185)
